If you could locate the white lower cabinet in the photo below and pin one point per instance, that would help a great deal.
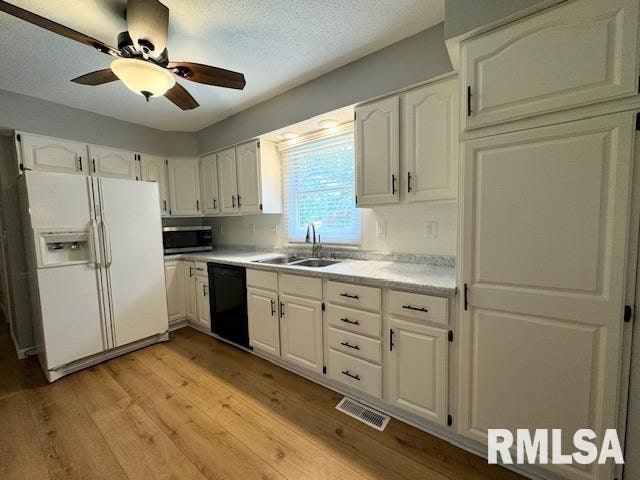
(203, 315)
(189, 275)
(301, 332)
(264, 327)
(175, 292)
(355, 373)
(416, 369)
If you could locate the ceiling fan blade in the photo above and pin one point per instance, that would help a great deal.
(148, 25)
(96, 78)
(183, 99)
(196, 72)
(56, 28)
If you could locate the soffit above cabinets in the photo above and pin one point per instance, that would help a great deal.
(276, 45)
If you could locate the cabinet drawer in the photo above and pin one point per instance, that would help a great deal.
(418, 306)
(354, 295)
(201, 268)
(262, 279)
(303, 286)
(354, 344)
(355, 373)
(354, 320)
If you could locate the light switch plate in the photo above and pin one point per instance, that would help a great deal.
(381, 229)
(431, 230)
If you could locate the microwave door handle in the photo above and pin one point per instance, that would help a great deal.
(107, 240)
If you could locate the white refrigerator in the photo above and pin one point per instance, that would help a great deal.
(96, 267)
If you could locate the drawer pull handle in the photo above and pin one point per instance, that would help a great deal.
(352, 322)
(348, 295)
(349, 374)
(281, 309)
(273, 308)
(347, 344)
(417, 309)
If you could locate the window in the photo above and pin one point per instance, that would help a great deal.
(319, 188)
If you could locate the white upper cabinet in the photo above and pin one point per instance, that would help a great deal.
(378, 152)
(113, 162)
(227, 181)
(430, 134)
(577, 53)
(209, 179)
(248, 169)
(416, 369)
(184, 186)
(51, 154)
(259, 177)
(154, 169)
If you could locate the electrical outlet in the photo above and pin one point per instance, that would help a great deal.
(431, 230)
(253, 229)
(381, 229)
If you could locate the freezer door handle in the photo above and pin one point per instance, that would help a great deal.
(107, 241)
(96, 243)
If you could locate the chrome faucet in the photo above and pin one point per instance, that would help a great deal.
(316, 249)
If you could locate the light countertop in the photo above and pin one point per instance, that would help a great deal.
(416, 277)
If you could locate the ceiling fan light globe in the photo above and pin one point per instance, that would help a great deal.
(141, 76)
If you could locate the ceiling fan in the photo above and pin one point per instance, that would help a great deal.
(142, 60)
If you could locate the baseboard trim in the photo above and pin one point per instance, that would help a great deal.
(60, 372)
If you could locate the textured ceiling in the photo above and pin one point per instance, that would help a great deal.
(277, 44)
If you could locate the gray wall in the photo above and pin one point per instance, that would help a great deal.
(21, 112)
(462, 16)
(407, 62)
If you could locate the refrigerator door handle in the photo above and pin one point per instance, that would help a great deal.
(97, 256)
(107, 241)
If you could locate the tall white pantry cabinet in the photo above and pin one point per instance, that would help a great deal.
(544, 223)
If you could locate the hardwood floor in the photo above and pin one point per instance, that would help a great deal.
(196, 408)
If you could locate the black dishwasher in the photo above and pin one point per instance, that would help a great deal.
(228, 303)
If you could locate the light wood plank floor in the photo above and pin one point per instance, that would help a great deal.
(196, 408)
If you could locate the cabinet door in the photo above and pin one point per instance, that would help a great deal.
(378, 152)
(545, 221)
(430, 132)
(248, 167)
(202, 301)
(189, 275)
(574, 54)
(114, 163)
(301, 332)
(53, 155)
(154, 169)
(175, 293)
(184, 186)
(227, 181)
(209, 177)
(264, 328)
(416, 369)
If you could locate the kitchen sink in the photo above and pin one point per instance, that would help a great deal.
(315, 262)
(280, 260)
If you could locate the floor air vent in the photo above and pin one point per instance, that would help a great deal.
(363, 413)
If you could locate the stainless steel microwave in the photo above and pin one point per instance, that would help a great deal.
(187, 239)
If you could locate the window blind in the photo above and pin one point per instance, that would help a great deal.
(319, 188)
